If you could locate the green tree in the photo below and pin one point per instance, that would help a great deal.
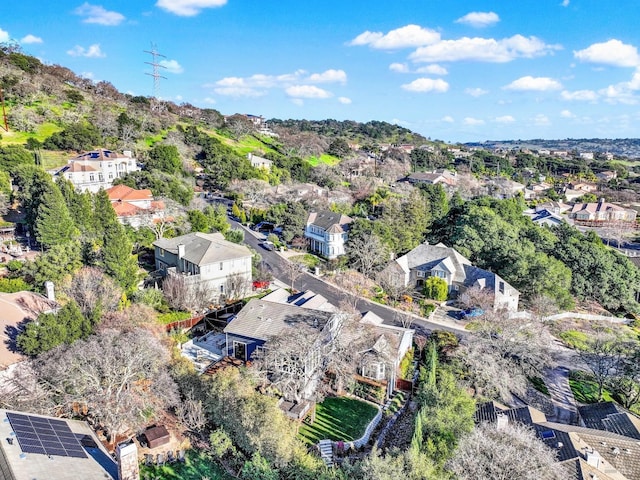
(258, 468)
(199, 221)
(436, 289)
(117, 257)
(53, 224)
(55, 264)
(164, 158)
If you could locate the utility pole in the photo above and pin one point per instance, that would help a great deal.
(155, 74)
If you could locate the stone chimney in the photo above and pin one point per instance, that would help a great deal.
(180, 251)
(502, 421)
(50, 289)
(127, 458)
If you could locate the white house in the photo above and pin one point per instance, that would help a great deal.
(91, 171)
(327, 233)
(424, 261)
(134, 207)
(206, 259)
(259, 162)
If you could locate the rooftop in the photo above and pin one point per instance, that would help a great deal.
(204, 248)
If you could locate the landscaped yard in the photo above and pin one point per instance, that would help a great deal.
(584, 389)
(197, 466)
(338, 418)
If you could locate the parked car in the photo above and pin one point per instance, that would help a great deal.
(267, 245)
(470, 313)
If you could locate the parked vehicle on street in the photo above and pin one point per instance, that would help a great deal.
(470, 313)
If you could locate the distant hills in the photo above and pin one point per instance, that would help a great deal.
(620, 147)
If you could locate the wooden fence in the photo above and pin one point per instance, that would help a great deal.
(188, 323)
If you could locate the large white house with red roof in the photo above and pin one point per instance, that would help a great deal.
(91, 171)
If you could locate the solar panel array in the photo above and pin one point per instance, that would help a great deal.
(45, 435)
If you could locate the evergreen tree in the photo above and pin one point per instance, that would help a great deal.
(54, 264)
(79, 205)
(103, 213)
(117, 259)
(53, 224)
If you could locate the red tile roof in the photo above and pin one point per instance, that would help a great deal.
(125, 193)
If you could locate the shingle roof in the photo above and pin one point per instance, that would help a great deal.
(204, 248)
(608, 416)
(327, 220)
(262, 319)
(427, 256)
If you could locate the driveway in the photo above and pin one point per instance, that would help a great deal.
(557, 381)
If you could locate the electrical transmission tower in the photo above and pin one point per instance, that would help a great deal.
(156, 74)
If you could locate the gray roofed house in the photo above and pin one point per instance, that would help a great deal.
(413, 268)
(206, 259)
(610, 417)
(327, 233)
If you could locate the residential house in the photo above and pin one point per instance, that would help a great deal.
(133, 206)
(17, 309)
(442, 176)
(601, 212)
(327, 233)
(607, 175)
(585, 187)
(261, 320)
(206, 260)
(502, 187)
(424, 261)
(589, 453)
(547, 218)
(259, 162)
(553, 207)
(39, 446)
(587, 155)
(381, 362)
(610, 417)
(91, 171)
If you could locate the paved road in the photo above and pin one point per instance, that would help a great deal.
(276, 264)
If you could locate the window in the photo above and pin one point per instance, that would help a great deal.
(438, 273)
(374, 370)
(100, 177)
(221, 288)
(420, 274)
(221, 266)
(110, 176)
(91, 177)
(161, 251)
(501, 287)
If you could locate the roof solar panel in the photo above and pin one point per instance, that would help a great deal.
(45, 436)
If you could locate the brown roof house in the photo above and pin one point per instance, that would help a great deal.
(16, 309)
(133, 206)
(424, 261)
(601, 212)
(327, 233)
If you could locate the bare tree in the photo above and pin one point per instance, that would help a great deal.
(510, 452)
(176, 291)
(294, 270)
(367, 253)
(120, 378)
(237, 286)
(190, 412)
(393, 285)
(603, 355)
(159, 218)
(94, 292)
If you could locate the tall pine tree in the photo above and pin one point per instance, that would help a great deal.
(117, 258)
(53, 224)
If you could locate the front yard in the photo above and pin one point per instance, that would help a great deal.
(338, 418)
(197, 465)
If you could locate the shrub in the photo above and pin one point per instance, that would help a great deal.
(574, 339)
(406, 365)
(12, 285)
(435, 288)
(14, 265)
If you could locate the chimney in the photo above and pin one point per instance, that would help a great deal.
(127, 458)
(593, 459)
(49, 288)
(127, 153)
(180, 251)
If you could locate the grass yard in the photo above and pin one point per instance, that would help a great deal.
(325, 159)
(585, 390)
(307, 259)
(338, 418)
(42, 132)
(196, 467)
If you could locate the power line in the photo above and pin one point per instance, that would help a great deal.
(156, 70)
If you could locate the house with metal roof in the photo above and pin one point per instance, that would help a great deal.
(206, 261)
(327, 233)
(412, 269)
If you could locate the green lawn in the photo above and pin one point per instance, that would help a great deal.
(585, 390)
(196, 467)
(307, 259)
(338, 418)
(42, 132)
(323, 159)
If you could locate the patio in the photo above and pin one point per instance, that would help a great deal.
(204, 350)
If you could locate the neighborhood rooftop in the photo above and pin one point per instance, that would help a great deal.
(204, 248)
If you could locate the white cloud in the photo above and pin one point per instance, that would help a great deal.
(399, 67)
(447, 119)
(29, 39)
(188, 8)
(427, 85)
(99, 15)
(483, 50)
(476, 92)
(209, 100)
(579, 95)
(403, 37)
(565, 3)
(541, 120)
(4, 36)
(479, 19)
(179, 98)
(88, 75)
(93, 51)
(172, 66)
(533, 84)
(505, 119)
(612, 52)
(473, 121)
(433, 69)
(328, 76)
(306, 91)
(239, 91)
(344, 100)
(566, 114)
(297, 101)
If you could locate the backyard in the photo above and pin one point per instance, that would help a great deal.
(338, 418)
(197, 465)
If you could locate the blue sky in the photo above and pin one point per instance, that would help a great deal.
(455, 70)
